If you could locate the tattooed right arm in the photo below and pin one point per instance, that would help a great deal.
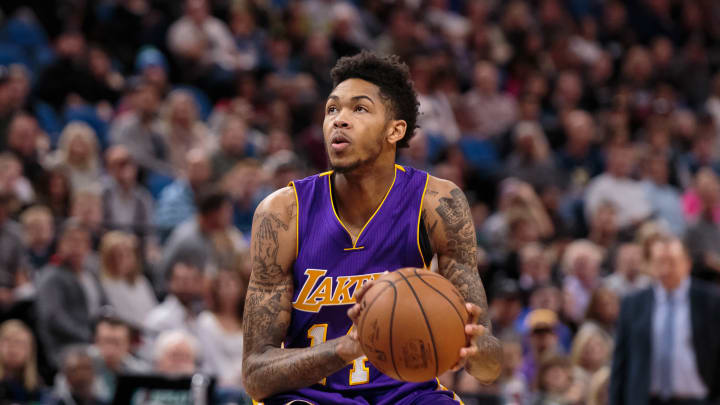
(269, 369)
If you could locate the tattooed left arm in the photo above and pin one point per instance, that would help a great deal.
(452, 235)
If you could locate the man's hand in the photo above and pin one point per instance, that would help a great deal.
(473, 331)
(352, 347)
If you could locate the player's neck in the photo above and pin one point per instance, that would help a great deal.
(359, 193)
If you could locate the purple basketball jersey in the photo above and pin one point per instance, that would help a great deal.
(331, 265)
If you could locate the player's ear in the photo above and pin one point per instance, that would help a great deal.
(396, 131)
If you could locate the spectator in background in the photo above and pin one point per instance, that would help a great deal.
(28, 143)
(127, 205)
(530, 160)
(176, 203)
(535, 267)
(202, 45)
(557, 383)
(540, 325)
(599, 386)
(38, 235)
(180, 308)
(604, 230)
(664, 198)
(616, 185)
(436, 116)
(669, 329)
(514, 389)
(591, 349)
(603, 309)
(234, 146)
(220, 329)
(138, 130)
(87, 210)
(13, 181)
(182, 129)
(77, 379)
(19, 378)
(628, 274)
(56, 193)
(491, 112)
(13, 261)
(78, 153)
(69, 295)
(581, 266)
(579, 158)
(506, 306)
(176, 353)
(152, 67)
(113, 339)
(191, 242)
(128, 290)
(703, 235)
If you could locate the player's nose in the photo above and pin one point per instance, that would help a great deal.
(341, 123)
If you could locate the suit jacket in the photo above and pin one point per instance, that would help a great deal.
(631, 366)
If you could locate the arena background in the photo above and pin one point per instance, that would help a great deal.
(579, 130)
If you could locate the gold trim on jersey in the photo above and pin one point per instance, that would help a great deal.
(355, 240)
(422, 200)
(297, 220)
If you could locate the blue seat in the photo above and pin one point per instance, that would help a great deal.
(12, 53)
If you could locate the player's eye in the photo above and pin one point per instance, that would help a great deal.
(331, 109)
(361, 108)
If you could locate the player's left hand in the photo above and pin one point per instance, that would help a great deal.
(473, 331)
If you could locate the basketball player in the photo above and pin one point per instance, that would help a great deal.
(316, 242)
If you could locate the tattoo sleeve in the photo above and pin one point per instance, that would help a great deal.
(456, 246)
(269, 369)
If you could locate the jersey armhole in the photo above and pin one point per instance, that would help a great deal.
(424, 241)
(297, 220)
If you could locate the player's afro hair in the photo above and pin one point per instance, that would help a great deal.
(392, 76)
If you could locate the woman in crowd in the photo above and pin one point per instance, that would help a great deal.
(19, 378)
(591, 349)
(220, 328)
(78, 153)
(127, 289)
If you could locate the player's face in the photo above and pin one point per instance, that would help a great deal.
(356, 125)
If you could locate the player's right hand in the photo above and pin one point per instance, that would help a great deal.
(354, 314)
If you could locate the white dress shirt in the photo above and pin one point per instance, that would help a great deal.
(685, 377)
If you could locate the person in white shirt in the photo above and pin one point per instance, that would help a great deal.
(616, 185)
(628, 276)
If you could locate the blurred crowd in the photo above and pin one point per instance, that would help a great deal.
(137, 137)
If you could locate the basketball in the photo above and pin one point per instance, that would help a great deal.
(412, 324)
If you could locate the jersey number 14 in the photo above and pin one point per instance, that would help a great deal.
(359, 374)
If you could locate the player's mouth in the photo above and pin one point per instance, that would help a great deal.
(339, 142)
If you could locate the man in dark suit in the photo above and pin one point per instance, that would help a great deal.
(668, 340)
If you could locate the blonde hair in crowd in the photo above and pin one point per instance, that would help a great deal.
(31, 378)
(109, 245)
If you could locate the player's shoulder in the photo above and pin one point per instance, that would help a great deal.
(280, 203)
(439, 190)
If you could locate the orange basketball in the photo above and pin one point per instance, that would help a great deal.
(412, 324)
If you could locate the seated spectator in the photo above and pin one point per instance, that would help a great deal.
(127, 205)
(113, 339)
(191, 242)
(616, 185)
(138, 130)
(182, 129)
(13, 261)
(176, 353)
(591, 349)
(581, 266)
(506, 306)
(56, 192)
(75, 383)
(703, 235)
(492, 112)
(177, 201)
(579, 158)
(603, 309)
(128, 291)
(557, 383)
(535, 267)
(604, 230)
(530, 159)
(627, 276)
(69, 295)
(234, 146)
(19, 378)
(244, 183)
(540, 325)
(664, 198)
(87, 210)
(703, 198)
(78, 152)
(14, 182)
(599, 387)
(38, 235)
(220, 329)
(28, 143)
(180, 308)
(514, 389)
